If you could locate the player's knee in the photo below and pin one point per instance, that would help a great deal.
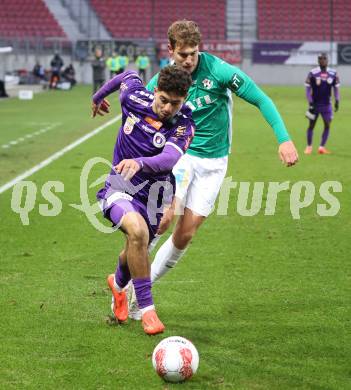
(138, 235)
(139, 241)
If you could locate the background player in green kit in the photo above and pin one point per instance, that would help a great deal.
(200, 172)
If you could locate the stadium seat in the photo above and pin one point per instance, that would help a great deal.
(154, 17)
(294, 20)
(28, 18)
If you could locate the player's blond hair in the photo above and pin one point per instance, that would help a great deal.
(184, 32)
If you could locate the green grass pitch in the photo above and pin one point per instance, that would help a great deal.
(265, 299)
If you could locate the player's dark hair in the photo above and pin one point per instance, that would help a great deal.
(184, 32)
(174, 79)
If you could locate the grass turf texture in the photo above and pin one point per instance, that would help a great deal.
(265, 299)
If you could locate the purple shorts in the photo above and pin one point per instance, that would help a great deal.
(116, 210)
(325, 110)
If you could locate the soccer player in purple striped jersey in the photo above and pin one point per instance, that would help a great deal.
(156, 131)
(319, 84)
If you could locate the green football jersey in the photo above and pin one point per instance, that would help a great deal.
(210, 98)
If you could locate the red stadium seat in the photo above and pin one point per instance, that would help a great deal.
(28, 18)
(157, 15)
(297, 20)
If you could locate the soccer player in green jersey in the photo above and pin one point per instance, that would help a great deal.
(200, 172)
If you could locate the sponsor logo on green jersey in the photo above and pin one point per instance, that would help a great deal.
(200, 102)
(207, 83)
(236, 82)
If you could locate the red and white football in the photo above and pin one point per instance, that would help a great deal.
(175, 359)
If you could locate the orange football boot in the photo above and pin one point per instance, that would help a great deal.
(308, 150)
(119, 304)
(151, 323)
(323, 150)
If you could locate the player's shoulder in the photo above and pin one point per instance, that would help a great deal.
(211, 61)
(218, 68)
(150, 86)
(315, 70)
(131, 74)
(133, 88)
(331, 71)
(208, 57)
(154, 77)
(131, 80)
(141, 96)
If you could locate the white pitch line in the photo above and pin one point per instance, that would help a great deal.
(40, 131)
(57, 155)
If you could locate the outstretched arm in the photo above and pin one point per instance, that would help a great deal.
(243, 86)
(163, 162)
(111, 86)
(254, 95)
(100, 105)
(287, 151)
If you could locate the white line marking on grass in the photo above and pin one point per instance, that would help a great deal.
(39, 123)
(57, 155)
(40, 131)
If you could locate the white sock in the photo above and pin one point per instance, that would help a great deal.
(147, 308)
(166, 258)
